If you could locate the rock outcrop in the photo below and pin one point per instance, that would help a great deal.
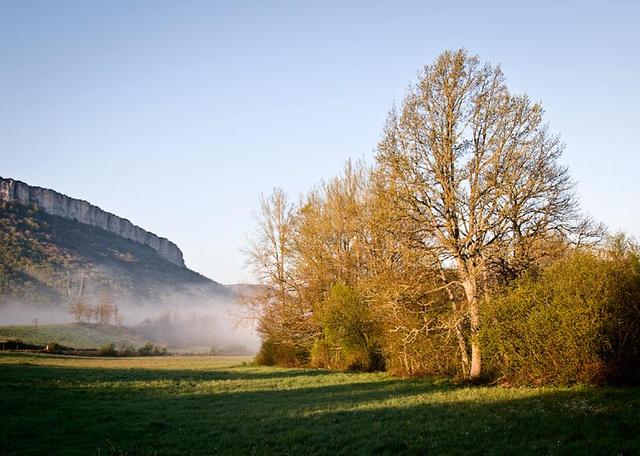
(55, 203)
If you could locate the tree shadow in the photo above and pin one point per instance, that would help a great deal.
(145, 373)
(142, 411)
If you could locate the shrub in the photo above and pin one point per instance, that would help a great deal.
(129, 350)
(578, 321)
(433, 353)
(108, 350)
(149, 349)
(274, 353)
(351, 334)
(417, 337)
(146, 349)
(320, 355)
(160, 351)
(57, 348)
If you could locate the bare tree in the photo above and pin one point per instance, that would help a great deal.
(118, 318)
(276, 305)
(75, 297)
(477, 170)
(269, 251)
(104, 309)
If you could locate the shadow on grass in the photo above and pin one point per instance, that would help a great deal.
(52, 409)
(146, 373)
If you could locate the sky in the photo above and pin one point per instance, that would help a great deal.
(178, 114)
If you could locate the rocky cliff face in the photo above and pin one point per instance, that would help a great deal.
(55, 203)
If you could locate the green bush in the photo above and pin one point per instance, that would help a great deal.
(275, 353)
(56, 347)
(577, 321)
(320, 355)
(160, 351)
(149, 349)
(146, 349)
(351, 334)
(433, 353)
(129, 350)
(108, 350)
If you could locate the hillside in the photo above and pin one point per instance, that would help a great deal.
(43, 256)
(55, 203)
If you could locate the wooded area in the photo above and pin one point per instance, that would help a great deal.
(461, 251)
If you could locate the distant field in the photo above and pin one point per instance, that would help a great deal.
(76, 335)
(205, 405)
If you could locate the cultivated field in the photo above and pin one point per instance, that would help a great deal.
(205, 405)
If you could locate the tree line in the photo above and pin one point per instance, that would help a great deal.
(461, 251)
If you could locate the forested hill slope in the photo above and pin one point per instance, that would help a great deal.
(44, 258)
(55, 203)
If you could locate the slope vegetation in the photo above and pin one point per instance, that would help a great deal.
(43, 257)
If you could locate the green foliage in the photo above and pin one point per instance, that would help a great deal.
(211, 405)
(108, 350)
(320, 354)
(577, 321)
(277, 353)
(37, 250)
(417, 334)
(56, 347)
(355, 297)
(128, 350)
(148, 349)
(421, 353)
(351, 336)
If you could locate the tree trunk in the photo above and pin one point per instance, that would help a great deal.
(476, 359)
(462, 346)
(462, 343)
(471, 291)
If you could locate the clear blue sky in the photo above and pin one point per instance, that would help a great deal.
(178, 114)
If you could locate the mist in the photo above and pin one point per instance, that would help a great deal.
(185, 319)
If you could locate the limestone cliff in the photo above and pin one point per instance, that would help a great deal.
(55, 203)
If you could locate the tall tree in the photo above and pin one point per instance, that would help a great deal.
(281, 315)
(332, 233)
(476, 169)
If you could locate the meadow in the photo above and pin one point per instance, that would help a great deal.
(213, 405)
(76, 335)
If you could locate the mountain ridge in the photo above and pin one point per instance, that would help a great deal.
(56, 203)
(43, 257)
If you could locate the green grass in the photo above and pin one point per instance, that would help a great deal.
(204, 405)
(76, 335)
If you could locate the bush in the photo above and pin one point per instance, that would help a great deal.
(274, 353)
(149, 349)
(320, 355)
(57, 348)
(578, 321)
(129, 350)
(426, 354)
(146, 349)
(412, 338)
(160, 351)
(108, 350)
(351, 335)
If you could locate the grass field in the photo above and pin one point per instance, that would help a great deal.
(76, 335)
(205, 405)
